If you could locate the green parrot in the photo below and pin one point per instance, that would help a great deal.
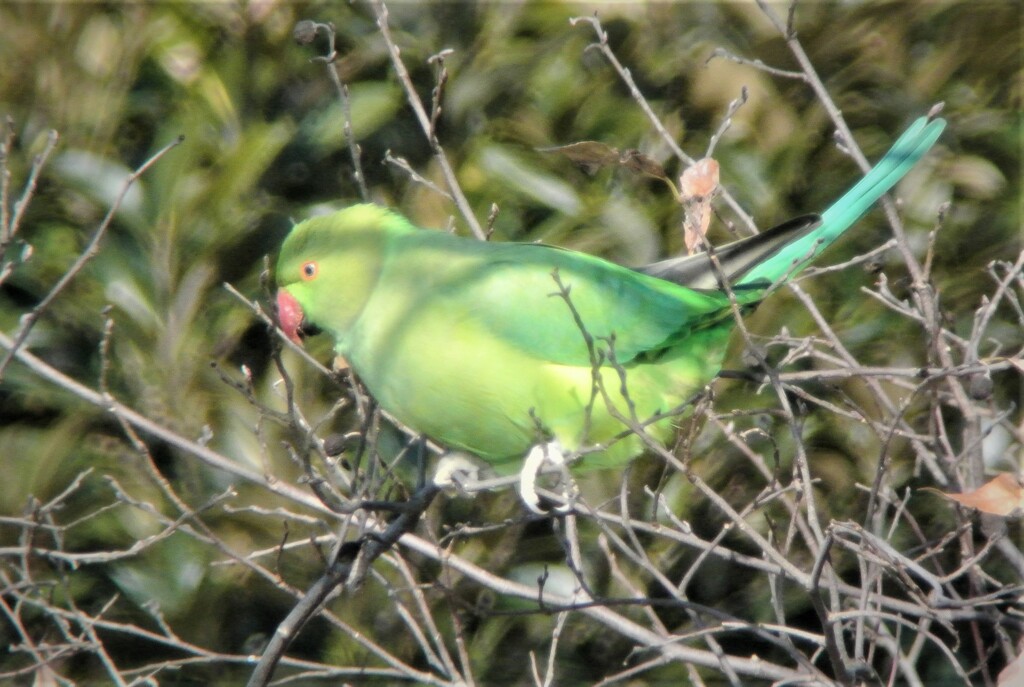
(526, 353)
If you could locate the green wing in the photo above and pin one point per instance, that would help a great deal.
(471, 343)
(511, 291)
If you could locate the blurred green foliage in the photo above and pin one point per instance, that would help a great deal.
(263, 145)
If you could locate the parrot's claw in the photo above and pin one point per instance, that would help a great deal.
(552, 454)
(455, 470)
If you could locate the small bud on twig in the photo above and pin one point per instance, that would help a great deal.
(304, 32)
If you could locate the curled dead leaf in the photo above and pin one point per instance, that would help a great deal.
(700, 180)
(697, 186)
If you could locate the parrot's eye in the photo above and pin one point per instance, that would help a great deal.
(309, 270)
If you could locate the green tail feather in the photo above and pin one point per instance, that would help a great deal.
(904, 154)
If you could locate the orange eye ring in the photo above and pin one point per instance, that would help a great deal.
(309, 270)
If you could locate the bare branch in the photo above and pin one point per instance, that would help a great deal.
(426, 121)
(91, 249)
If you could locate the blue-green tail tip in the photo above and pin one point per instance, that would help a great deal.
(908, 149)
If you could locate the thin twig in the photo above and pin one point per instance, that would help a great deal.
(425, 121)
(330, 64)
(637, 95)
(91, 249)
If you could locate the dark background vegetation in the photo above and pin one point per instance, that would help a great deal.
(264, 146)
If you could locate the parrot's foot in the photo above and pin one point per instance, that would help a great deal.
(455, 470)
(552, 454)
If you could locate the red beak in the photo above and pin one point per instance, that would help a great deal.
(289, 315)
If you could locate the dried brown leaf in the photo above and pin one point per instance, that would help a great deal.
(1002, 495)
(700, 180)
(636, 161)
(594, 155)
(697, 186)
(591, 155)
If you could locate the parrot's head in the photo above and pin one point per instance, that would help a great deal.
(328, 269)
